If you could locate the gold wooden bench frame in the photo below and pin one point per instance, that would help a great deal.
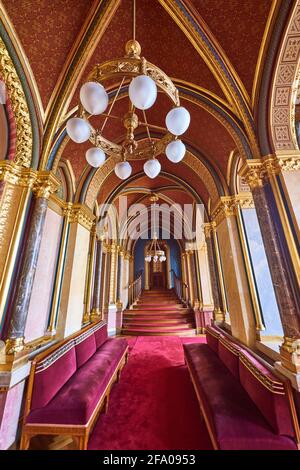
(79, 432)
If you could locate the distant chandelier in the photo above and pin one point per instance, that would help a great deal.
(155, 252)
(143, 79)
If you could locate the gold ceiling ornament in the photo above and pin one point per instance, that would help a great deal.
(19, 106)
(143, 80)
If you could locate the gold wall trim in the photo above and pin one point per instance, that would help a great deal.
(257, 172)
(80, 214)
(289, 162)
(229, 205)
(24, 143)
(42, 183)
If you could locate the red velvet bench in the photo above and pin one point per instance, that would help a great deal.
(244, 404)
(70, 383)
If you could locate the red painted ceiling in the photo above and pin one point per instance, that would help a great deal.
(47, 30)
(159, 37)
(178, 170)
(239, 26)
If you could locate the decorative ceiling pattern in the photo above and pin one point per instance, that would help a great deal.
(238, 25)
(158, 35)
(47, 32)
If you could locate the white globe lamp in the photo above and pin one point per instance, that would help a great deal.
(175, 151)
(152, 168)
(142, 92)
(178, 120)
(78, 130)
(95, 157)
(93, 97)
(123, 170)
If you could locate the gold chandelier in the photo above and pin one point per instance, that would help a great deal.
(144, 78)
(155, 252)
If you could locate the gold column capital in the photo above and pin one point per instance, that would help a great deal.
(46, 183)
(80, 214)
(228, 206)
(16, 174)
(257, 172)
(42, 183)
(290, 354)
(208, 228)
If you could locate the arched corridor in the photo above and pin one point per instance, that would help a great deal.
(149, 224)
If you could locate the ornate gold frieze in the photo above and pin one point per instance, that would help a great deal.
(80, 214)
(43, 183)
(290, 354)
(209, 227)
(258, 172)
(228, 206)
(289, 163)
(19, 106)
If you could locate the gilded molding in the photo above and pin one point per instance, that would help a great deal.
(289, 163)
(228, 206)
(46, 183)
(290, 354)
(42, 183)
(80, 214)
(19, 106)
(259, 171)
(209, 227)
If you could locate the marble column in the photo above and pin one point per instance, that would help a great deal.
(96, 308)
(284, 290)
(258, 176)
(214, 275)
(24, 283)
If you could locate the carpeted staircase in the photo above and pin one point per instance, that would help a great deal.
(159, 312)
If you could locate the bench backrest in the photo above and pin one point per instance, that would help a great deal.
(53, 368)
(271, 394)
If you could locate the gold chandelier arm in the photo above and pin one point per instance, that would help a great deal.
(112, 105)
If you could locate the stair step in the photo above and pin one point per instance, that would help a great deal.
(160, 326)
(156, 332)
(157, 313)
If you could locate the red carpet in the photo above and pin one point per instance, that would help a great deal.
(154, 406)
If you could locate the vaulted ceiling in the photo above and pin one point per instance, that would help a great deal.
(49, 33)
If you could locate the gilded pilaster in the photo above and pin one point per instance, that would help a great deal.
(113, 273)
(89, 278)
(120, 278)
